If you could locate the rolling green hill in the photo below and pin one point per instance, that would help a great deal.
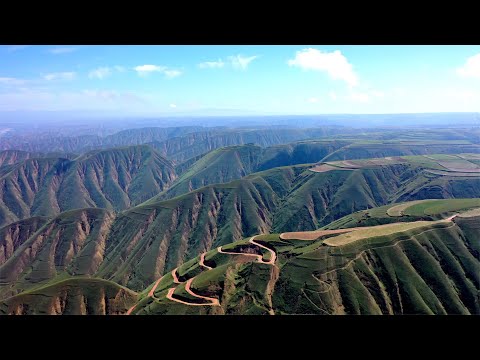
(433, 268)
(233, 162)
(150, 239)
(75, 296)
(218, 166)
(182, 148)
(407, 211)
(379, 149)
(112, 179)
(429, 267)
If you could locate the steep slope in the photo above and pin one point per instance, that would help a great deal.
(218, 166)
(304, 152)
(366, 150)
(112, 179)
(432, 268)
(14, 235)
(148, 240)
(76, 296)
(191, 145)
(9, 157)
(234, 162)
(430, 209)
(73, 243)
(48, 142)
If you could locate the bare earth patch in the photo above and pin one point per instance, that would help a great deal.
(326, 167)
(470, 213)
(380, 230)
(453, 173)
(312, 235)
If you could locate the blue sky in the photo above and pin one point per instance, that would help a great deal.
(300, 79)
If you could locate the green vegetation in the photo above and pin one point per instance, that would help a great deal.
(113, 179)
(409, 211)
(428, 269)
(74, 296)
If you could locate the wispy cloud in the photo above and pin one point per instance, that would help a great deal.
(211, 64)
(120, 68)
(12, 81)
(100, 73)
(60, 76)
(241, 62)
(14, 48)
(48, 99)
(173, 106)
(238, 62)
(471, 68)
(172, 73)
(145, 70)
(334, 63)
(62, 50)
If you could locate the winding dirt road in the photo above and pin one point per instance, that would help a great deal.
(174, 275)
(273, 256)
(202, 262)
(188, 283)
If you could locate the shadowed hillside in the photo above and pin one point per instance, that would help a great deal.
(431, 268)
(112, 179)
(148, 240)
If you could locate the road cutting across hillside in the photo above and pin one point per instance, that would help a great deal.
(188, 283)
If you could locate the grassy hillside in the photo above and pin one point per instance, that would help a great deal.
(148, 240)
(379, 149)
(191, 145)
(408, 211)
(47, 142)
(218, 166)
(74, 296)
(72, 243)
(429, 269)
(112, 179)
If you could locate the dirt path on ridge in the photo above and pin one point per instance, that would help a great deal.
(188, 283)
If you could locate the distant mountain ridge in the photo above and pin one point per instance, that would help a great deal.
(112, 179)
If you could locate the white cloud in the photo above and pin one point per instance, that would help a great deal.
(173, 106)
(62, 50)
(120, 68)
(60, 76)
(333, 95)
(313, 100)
(144, 70)
(211, 64)
(100, 73)
(241, 62)
(172, 73)
(334, 63)
(471, 68)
